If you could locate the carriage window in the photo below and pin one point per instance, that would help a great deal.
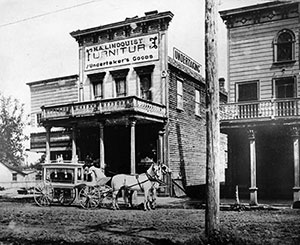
(120, 81)
(79, 174)
(61, 175)
(284, 46)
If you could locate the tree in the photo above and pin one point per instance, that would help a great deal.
(12, 124)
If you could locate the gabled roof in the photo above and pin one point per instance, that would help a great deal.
(13, 168)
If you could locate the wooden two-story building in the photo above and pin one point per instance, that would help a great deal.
(130, 103)
(262, 118)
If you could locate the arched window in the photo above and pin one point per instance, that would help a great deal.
(284, 46)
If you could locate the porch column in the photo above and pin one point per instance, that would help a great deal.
(296, 188)
(132, 146)
(101, 141)
(253, 189)
(48, 130)
(74, 153)
(161, 134)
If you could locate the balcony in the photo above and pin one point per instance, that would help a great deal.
(261, 110)
(130, 104)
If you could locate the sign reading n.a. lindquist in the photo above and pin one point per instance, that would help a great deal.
(128, 51)
(186, 60)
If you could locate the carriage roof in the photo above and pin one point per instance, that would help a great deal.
(64, 164)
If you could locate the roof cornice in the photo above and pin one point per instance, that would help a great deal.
(260, 13)
(150, 16)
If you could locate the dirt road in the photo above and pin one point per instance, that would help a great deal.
(26, 223)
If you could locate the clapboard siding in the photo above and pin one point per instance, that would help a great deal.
(55, 92)
(251, 55)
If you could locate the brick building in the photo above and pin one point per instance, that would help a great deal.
(130, 103)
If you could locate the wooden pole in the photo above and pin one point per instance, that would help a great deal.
(212, 120)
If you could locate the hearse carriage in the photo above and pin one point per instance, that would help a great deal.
(66, 182)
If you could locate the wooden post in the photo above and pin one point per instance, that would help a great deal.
(132, 146)
(74, 153)
(161, 146)
(253, 189)
(48, 131)
(212, 120)
(296, 188)
(102, 153)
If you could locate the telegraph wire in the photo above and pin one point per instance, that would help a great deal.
(48, 13)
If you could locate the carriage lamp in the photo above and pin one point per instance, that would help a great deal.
(66, 174)
(55, 174)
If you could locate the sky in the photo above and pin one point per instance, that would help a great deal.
(36, 43)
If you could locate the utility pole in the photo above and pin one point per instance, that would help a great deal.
(212, 120)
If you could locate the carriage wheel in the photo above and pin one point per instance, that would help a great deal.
(89, 197)
(66, 196)
(43, 193)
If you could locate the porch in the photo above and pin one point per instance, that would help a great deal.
(265, 136)
(117, 131)
(260, 110)
(127, 104)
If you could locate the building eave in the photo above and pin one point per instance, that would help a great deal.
(53, 79)
(256, 7)
(168, 15)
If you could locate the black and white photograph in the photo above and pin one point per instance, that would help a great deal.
(149, 122)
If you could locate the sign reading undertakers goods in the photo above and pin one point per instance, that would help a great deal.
(186, 60)
(123, 52)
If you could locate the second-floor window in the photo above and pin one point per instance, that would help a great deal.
(120, 81)
(179, 94)
(38, 119)
(145, 85)
(97, 84)
(247, 91)
(197, 103)
(284, 46)
(145, 81)
(285, 87)
(120, 86)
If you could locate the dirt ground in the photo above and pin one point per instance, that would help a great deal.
(26, 223)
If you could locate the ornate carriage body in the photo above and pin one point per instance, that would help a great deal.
(66, 182)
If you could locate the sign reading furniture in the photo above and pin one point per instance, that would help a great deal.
(123, 52)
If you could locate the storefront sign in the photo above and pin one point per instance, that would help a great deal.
(187, 61)
(128, 51)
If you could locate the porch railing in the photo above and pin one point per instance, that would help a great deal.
(105, 106)
(278, 108)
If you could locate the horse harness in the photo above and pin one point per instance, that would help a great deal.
(149, 178)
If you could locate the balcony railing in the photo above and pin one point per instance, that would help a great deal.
(278, 108)
(107, 106)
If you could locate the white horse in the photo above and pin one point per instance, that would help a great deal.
(144, 182)
(97, 175)
(164, 169)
